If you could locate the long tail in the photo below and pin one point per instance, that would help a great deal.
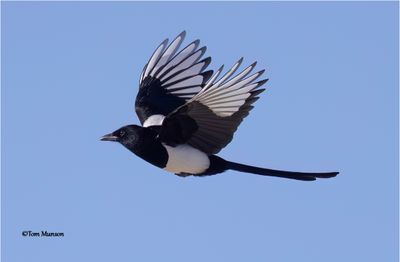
(278, 173)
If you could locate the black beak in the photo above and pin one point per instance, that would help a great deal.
(109, 137)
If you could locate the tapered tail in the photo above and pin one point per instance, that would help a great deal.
(278, 173)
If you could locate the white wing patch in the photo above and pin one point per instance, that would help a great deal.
(193, 70)
(226, 96)
(180, 73)
(191, 81)
(186, 63)
(155, 57)
(187, 51)
(169, 52)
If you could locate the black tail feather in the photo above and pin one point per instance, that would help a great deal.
(278, 173)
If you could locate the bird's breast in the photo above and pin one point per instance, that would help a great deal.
(186, 159)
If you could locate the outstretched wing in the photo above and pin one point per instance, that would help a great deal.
(170, 79)
(209, 120)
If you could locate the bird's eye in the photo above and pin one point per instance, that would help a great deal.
(121, 133)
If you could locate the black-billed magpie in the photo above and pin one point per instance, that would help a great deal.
(188, 114)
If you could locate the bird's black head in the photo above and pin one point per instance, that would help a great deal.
(126, 135)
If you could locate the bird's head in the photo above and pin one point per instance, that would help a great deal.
(126, 135)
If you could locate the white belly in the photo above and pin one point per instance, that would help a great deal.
(186, 159)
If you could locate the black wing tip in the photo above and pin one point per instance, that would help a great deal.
(165, 42)
(203, 49)
(256, 92)
(262, 82)
(261, 72)
(253, 64)
(196, 43)
(182, 34)
(206, 61)
(239, 62)
(251, 100)
(206, 76)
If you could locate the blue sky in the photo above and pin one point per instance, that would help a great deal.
(70, 74)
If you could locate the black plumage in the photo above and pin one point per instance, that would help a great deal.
(188, 114)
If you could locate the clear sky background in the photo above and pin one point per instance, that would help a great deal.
(70, 74)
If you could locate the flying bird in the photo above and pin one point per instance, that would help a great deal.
(188, 114)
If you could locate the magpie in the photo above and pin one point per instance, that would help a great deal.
(188, 114)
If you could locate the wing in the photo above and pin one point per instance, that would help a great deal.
(170, 79)
(209, 120)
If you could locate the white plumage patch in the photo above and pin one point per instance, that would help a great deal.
(186, 159)
(154, 120)
(180, 73)
(226, 96)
